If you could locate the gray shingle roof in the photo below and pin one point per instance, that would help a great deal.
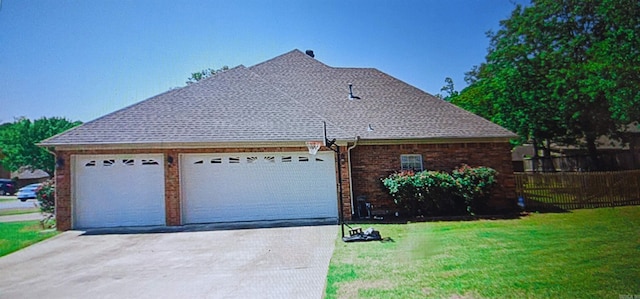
(284, 99)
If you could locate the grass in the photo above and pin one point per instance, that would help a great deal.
(17, 235)
(582, 254)
(7, 198)
(19, 211)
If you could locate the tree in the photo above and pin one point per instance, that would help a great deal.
(449, 88)
(18, 142)
(203, 74)
(564, 71)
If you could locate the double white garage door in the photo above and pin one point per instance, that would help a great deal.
(128, 190)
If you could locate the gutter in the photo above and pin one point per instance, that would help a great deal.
(355, 143)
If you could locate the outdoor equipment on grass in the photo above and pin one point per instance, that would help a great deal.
(357, 235)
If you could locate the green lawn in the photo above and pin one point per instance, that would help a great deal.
(582, 254)
(17, 235)
(19, 211)
(7, 198)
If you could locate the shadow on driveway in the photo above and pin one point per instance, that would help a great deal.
(209, 227)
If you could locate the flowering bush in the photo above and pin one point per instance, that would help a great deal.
(473, 186)
(464, 190)
(46, 197)
(402, 188)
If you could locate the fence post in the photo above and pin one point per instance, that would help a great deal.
(611, 185)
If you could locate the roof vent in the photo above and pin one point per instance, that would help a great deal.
(351, 96)
(310, 53)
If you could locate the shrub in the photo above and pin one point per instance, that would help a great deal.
(402, 188)
(473, 186)
(464, 190)
(46, 197)
(435, 193)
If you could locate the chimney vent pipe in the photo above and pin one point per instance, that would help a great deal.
(310, 53)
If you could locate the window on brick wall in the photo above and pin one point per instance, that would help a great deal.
(411, 162)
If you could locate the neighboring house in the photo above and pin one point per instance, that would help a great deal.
(232, 148)
(27, 176)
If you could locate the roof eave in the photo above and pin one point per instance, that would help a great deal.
(174, 145)
(281, 143)
(435, 140)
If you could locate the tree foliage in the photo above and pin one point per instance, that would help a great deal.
(449, 88)
(206, 73)
(567, 71)
(18, 142)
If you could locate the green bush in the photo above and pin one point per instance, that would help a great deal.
(433, 193)
(402, 188)
(473, 186)
(46, 197)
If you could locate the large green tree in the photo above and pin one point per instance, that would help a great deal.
(564, 71)
(18, 142)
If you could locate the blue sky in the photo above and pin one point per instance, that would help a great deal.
(83, 59)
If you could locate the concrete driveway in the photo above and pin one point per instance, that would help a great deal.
(290, 262)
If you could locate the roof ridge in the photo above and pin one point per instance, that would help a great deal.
(235, 68)
(294, 51)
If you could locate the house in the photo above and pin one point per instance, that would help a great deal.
(26, 176)
(231, 148)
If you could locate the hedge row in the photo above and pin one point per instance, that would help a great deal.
(465, 190)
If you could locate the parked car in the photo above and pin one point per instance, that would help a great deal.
(7, 187)
(28, 192)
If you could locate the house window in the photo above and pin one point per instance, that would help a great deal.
(411, 162)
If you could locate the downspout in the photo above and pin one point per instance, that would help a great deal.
(355, 143)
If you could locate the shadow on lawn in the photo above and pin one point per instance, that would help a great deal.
(543, 207)
(406, 220)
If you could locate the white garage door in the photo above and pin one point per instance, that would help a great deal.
(118, 190)
(258, 186)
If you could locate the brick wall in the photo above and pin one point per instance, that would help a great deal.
(173, 211)
(371, 163)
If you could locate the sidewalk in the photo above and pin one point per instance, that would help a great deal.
(21, 217)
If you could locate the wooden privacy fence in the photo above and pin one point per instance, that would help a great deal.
(577, 190)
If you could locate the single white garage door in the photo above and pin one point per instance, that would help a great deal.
(258, 186)
(118, 190)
